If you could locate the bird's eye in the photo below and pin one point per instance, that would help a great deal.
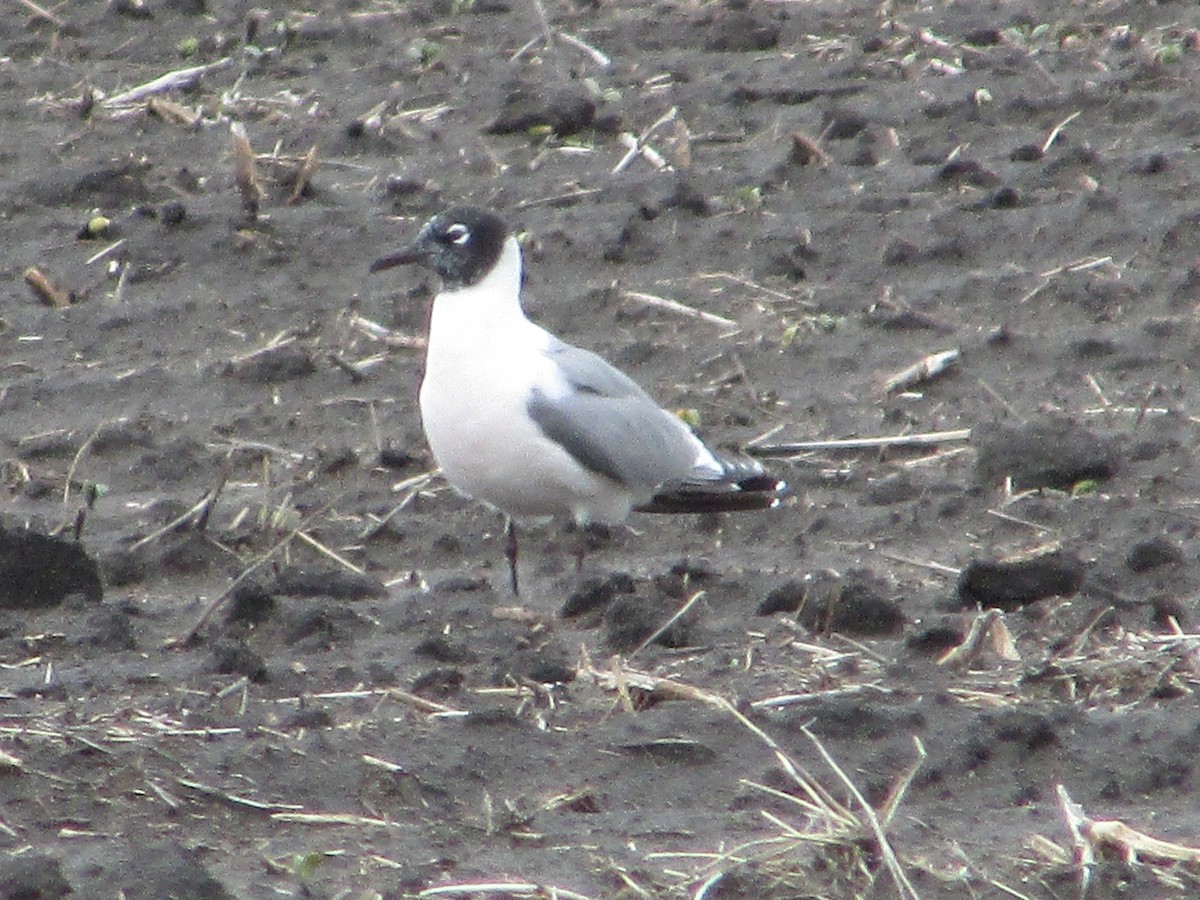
(458, 234)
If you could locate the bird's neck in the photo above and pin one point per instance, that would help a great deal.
(489, 310)
(497, 294)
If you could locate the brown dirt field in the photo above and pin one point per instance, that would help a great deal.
(368, 712)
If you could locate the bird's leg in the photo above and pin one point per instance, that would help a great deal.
(581, 549)
(510, 552)
(589, 537)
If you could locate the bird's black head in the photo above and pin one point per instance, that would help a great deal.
(461, 244)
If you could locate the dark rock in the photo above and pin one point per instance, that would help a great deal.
(1027, 153)
(60, 442)
(1031, 731)
(791, 260)
(396, 457)
(284, 363)
(1074, 158)
(637, 242)
(549, 671)
(313, 717)
(114, 187)
(134, 9)
(788, 597)
(1150, 554)
(1011, 585)
(122, 566)
(894, 489)
(337, 584)
(1165, 609)
(461, 584)
(173, 213)
(38, 571)
(440, 683)
(322, 627)
(441, 649)
(983, 37)
(1094, 347)
(741, 31)
(110, 630)
(680, 751)
(855, 603)
(1052, 452)
(629, 621)
(688, 195)
(151, 871)
(490, 718)
(682, 578)
(960, 172)
(596, 593)
(235, 658)
(954, 249)
(1001, 198)
(397, 187)
(123, 435)
(1154, 164)
(936, 639)
(54, 690)
(900, 252)
(32, 876)
(843, 124)
(190, 553)
(852, 719)
(171, 461)
(905, 319)
(331, 460)
(252, 604)
(563, 111)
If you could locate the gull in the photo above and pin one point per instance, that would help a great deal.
(535, 427)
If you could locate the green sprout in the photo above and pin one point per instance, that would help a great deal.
(827, 323)
(748, 197)
(305, 865)
(423, 51)
(1170, 54)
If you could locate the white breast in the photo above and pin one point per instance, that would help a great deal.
(483, 360)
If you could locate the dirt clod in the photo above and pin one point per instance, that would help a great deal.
(39, 571)
(564, 112)
(1052, 452)
(154, 869)
(630, 620)
(336, 584)
(32, 876)
(1152, 553)
(1011, 585)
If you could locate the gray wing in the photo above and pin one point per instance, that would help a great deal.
(613, 427)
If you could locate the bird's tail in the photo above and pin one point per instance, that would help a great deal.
(743, 486)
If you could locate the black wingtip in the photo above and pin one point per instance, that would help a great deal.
(763, 484)
(753, 494)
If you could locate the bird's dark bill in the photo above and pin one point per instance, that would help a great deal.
(405, 257)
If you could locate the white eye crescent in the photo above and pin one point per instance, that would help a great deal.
(458, 233)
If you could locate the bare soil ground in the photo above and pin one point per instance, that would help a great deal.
(368, 712)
